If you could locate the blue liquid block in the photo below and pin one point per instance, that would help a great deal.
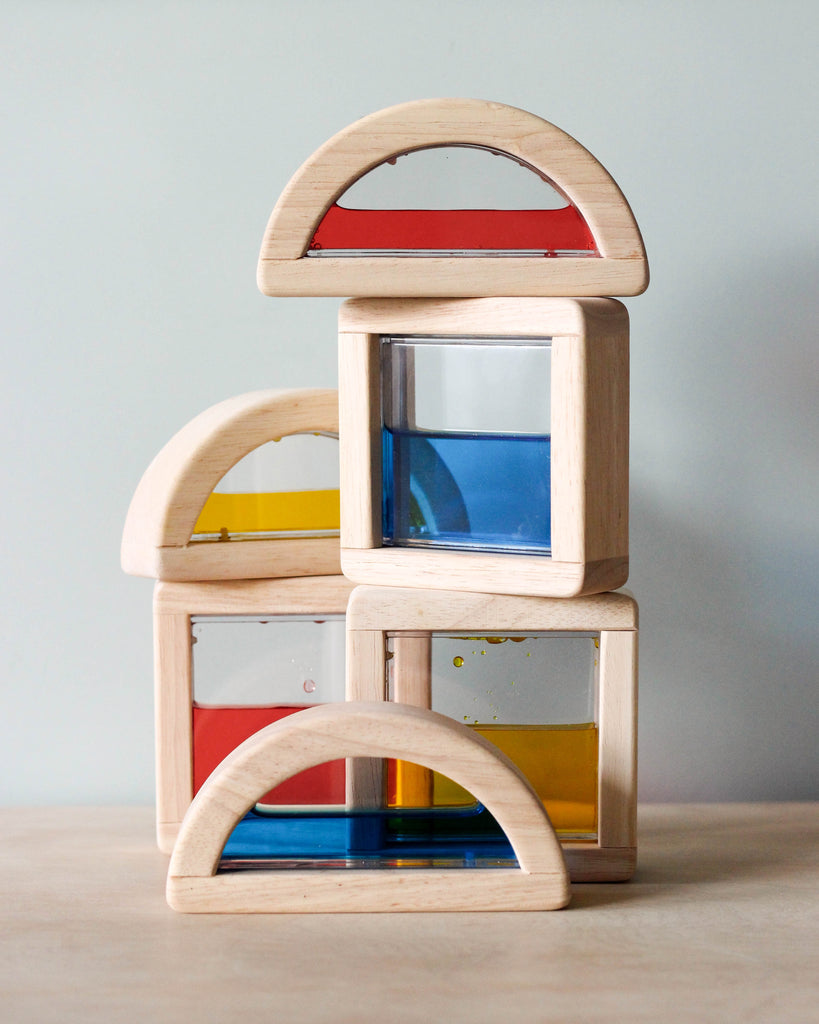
(482, 491)
(439, 837)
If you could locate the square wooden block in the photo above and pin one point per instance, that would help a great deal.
(175, 607)
(484, 444)
(400, 645)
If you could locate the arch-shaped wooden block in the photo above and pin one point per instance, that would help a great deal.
(157, 537)
(366, 729)
(284, 269)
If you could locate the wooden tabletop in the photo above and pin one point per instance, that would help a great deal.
(721, 923)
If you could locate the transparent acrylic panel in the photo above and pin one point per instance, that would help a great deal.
(466, 439)
(288, 487)
(249, 672)
(275, 659)
(452, 201)
(534, 696)
(453, 178)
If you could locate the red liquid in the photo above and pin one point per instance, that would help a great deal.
(546, 231)
(218, 731)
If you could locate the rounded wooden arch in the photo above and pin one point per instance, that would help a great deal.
(176, 485)
(357, 729)
(422, 124)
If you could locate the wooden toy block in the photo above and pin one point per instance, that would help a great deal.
(195, 883)
(176, 605)
(562, 416)
(400, 646)
(163, 538)
(314, 245)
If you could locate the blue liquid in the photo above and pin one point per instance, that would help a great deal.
(451, 836)
(481, 491)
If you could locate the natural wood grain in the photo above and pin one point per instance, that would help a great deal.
(621, 268)
(336, 891)
(289, 596)
(245, 559)
(359, 361)
(407, 609)
(174, 605)
(480, 317)
(452, 276)
(617, 771)
(606, 432)
(412, 684)
(534, 575)
(173, 685)
(370, 730)
(163, 512)
(366, 680)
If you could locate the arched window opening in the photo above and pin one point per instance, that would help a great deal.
(285, 488)
(452, 200)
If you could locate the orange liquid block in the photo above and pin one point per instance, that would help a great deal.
(560, 761)
(270, 512)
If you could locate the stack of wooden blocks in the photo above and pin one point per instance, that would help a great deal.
(482, 417)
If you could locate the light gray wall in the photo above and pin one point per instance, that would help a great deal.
(144, 145)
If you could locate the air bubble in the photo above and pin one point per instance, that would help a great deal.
(309, 685)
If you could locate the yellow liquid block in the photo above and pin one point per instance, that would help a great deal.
(560, 761)
(269, 512)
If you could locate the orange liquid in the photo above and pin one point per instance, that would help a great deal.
(269, 512)
(560, 761)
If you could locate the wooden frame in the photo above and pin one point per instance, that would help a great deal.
(372, 730)
(161, 519)
(621, 268)
(589, 477)
(174, 605)
(373, 612)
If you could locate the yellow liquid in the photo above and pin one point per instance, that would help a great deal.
(269, 512)
(560, 761)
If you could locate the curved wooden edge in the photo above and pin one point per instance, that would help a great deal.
(420, 124)
(178, 482)
(361, 729)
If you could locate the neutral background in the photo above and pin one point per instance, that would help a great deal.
(143, 147)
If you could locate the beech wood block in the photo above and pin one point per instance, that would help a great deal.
(619, 269)
(157, 539)
(174, 606)
(589, 445)
(365, 729)
(409, 617)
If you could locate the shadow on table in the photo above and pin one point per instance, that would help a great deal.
(704, 845)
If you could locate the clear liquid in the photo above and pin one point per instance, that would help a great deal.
(489, 492)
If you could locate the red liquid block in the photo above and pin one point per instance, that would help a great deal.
(218, 731)
(546, 231)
